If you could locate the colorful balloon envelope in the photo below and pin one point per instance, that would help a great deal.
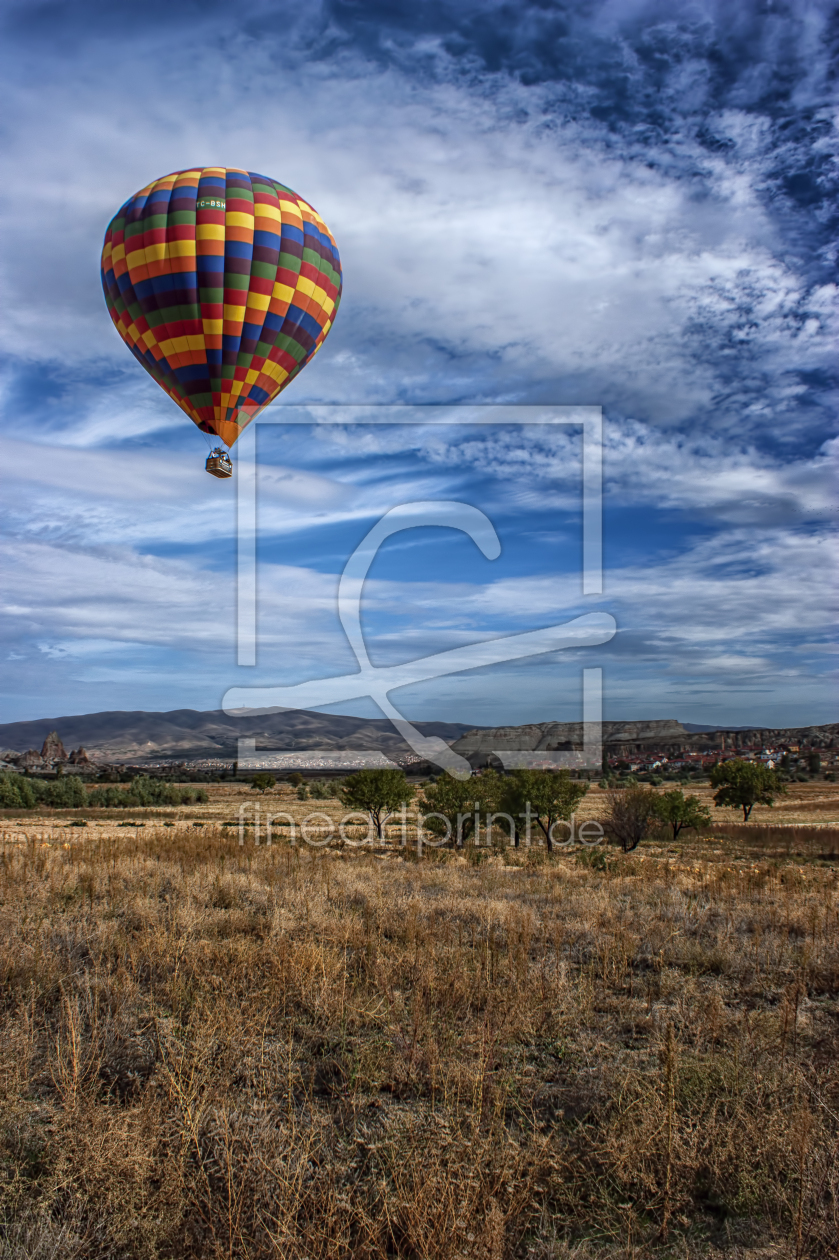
(224, 284)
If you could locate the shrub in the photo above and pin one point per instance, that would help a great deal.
(262, 782)
(325, 789)
(144, 792)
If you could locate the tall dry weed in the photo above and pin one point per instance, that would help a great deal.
(215, 1051)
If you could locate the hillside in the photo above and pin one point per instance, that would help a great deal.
(667, 737)
(186, 734)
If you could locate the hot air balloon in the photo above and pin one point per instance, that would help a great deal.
(224, 284)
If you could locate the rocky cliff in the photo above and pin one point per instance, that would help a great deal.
(668, 737)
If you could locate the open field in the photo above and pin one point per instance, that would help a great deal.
(219, 1050)
(805, 804)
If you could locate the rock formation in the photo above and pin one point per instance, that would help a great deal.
(31, 760)
(53, 749)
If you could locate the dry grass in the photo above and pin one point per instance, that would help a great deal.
(218, 1051)
(788, 841)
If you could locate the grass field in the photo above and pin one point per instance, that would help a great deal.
(219, 1050)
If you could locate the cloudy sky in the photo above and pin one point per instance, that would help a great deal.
(615, 203)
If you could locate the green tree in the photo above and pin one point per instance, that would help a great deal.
(745, 784)
(262, 782)
(678, 811)
(67, 792)
(377, 793)
(16, 792)
(632, 815)
(456, 801)
(545, 797)
(145, 792)
(64, 792)
(814, 762)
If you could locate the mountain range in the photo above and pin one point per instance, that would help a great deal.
(187, 734)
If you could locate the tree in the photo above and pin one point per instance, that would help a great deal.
(679, 811)
(632, 815)
(453, 803)
(144, 792)
(67, 792)
(377, 793)
(745, 784)
(16, 792)
(262, 782)
(457, 801)
(545, 797)
(814, 762)
(296, 779)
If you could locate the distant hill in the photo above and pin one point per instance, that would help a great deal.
(187, 734)
(695, 727)
(668, 737)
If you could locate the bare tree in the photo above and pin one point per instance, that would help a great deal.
(632, 815)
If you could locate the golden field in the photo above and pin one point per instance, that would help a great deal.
(215, 1050)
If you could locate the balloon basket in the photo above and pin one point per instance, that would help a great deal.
(219, 463)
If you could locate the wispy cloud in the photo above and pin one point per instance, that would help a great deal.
(617, 204)
(482, 228)
(725, 613)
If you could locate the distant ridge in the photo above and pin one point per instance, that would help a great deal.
(695, 727)
(190, 734)
(667, 737)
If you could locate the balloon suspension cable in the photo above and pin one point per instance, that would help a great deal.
(214, 442)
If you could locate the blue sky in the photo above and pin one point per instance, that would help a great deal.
(625, 204)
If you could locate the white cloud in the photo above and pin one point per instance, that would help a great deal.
(464, 224)
(726, 610)
(498, 243)
(539, 465)
(97, 497)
